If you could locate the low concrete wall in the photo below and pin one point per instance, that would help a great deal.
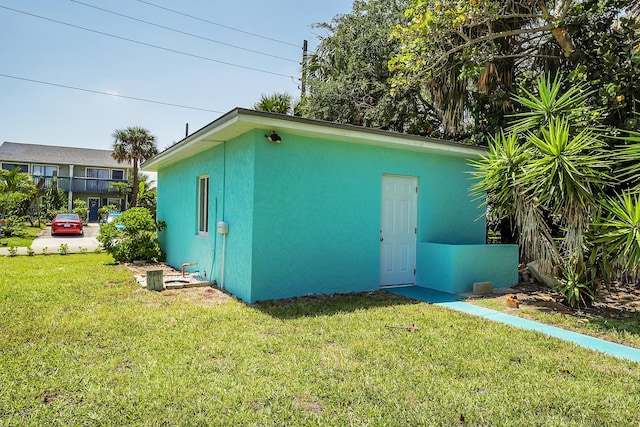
(454, 268)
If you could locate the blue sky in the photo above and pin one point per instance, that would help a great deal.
(33, 46)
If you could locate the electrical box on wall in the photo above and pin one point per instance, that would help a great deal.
(223, 227)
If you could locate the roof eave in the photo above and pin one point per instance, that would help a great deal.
(239, 121)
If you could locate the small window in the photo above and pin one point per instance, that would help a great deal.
(203, 205)
(117, 174)
(12, 166)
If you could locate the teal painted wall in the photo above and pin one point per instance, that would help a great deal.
(304, 215)
(317, 212)
(230, 170)
(177, 206)
(239, 213)
(454, 268)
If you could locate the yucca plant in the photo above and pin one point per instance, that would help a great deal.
(617, 228)
(500, 184)
(567, 172)
(573, 285)
(630, 155)
(549, 103)
(498, 173)
(548, 172)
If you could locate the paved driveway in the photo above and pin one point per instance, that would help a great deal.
(52, 243)
(75, 243)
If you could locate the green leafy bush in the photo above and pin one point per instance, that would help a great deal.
(14, 226)
(80, 207)
(55, 199)
(136, 241)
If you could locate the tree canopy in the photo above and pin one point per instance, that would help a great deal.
(347, 76)
(467, 54)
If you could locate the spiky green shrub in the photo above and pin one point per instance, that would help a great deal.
(617, 231)
(573, 285)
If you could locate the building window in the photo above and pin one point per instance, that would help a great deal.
(46, 171)
(117, 174)
(203, 205)
(115, 202)
(12, 166)
(101, 184)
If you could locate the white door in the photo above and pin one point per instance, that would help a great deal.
(398, 230)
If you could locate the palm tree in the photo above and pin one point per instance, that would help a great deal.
(276, 103)
(134, 144)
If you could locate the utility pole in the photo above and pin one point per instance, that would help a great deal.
(304, 71)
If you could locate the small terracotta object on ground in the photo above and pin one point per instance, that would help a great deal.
(512, 301)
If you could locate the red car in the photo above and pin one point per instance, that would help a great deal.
(66, 223)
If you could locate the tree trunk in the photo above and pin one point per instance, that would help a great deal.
(134, 190)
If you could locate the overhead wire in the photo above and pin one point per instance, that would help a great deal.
(110, 94)
(148, 44)
(215, 23)
(184, 32)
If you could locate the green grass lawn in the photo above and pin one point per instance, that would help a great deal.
(24, 241)
(82, 344)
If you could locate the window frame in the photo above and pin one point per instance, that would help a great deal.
(45, 166)
(202, 215)
(24, 167)
(117, 179)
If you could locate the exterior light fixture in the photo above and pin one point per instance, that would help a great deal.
(274, 137)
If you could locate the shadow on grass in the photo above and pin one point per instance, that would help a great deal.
(630, 325)
(327, 305)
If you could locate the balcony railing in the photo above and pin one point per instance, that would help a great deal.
(79, 184)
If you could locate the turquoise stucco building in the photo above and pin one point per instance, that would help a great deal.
(273, 206)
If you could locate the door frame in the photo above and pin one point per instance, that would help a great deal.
(97, 199)
(411, 224)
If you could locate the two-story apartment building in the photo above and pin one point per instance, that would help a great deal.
(84, 173)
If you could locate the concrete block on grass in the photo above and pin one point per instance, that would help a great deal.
(482, 288)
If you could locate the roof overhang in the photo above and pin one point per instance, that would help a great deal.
(240, 121)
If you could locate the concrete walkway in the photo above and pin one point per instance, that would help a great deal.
(76, 244)
(453, 302)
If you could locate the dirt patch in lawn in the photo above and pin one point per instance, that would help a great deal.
(613, 316)
(618, 302)
(204, 294)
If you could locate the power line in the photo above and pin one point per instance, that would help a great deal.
(148, 44)
(109, 94)
(215, 23)
(184, 32)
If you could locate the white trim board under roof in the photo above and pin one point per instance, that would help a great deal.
(240, 121)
